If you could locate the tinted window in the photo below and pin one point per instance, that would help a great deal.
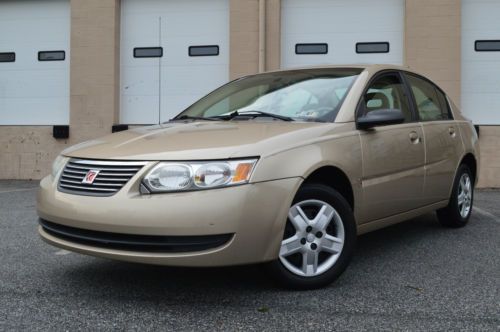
(387, 92)
(320, 48)
(443, 102)
(210, 50)
(429, 100)
(382, 47)
(7, 57)
(51, 56)
(148, 52)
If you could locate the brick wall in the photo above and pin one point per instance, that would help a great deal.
(95, 56)
(243, 37)
(273, 34)
(489, 141)
(432, 42)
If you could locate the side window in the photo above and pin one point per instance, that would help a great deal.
(431, 103)
(443, 102)
(387, 92)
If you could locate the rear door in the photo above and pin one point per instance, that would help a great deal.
(393, 155)
(443, 145)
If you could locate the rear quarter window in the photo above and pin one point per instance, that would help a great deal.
(431, 102)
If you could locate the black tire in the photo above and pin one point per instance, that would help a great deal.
(450, 216)
(288, 279)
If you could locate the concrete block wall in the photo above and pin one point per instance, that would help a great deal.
(94, 73)
(27, 152)
(432, 42)
(243, 37)
(489, 141)
(273, 34)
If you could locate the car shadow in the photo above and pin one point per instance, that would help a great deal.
(114, 278)
(394, 237)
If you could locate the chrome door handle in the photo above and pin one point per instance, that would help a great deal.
(452, 132)
(414, 138)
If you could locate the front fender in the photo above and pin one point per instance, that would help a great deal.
(340, 151)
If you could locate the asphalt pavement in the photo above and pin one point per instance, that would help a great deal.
(412, 276)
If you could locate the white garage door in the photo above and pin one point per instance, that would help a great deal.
(34, 62)
(172, 53)
(481, 61)
(317, 32)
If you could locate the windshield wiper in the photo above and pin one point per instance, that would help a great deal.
(232, 116)
(189, 117)
(256, 114)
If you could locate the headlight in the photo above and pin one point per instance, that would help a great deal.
(57, 165)
(169, 176)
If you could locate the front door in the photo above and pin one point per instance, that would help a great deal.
(393, 155)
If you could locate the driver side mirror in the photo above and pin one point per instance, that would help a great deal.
(381, 117)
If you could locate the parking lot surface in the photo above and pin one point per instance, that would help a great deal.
(412, 276)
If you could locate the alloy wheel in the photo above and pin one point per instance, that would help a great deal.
(464, 195)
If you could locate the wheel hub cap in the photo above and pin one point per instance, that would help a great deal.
(317, 241)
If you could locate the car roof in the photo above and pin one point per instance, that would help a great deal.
(372, 68)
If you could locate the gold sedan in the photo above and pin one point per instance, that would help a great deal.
(284, 168)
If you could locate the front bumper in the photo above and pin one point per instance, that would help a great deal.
(254, 214)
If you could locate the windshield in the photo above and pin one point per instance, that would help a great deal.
(304, 95)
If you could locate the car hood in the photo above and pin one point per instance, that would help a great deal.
(201, 140)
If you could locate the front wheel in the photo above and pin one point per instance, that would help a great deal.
(459, 208)
(318, 241)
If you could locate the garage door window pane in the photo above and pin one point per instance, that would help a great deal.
(51, 56)
(148, 52)
(379, 47)
(487, 45)
(208, 50)
(7, 57)
(320, 48)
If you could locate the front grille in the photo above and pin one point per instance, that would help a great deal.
(132, 242)
(112, 176)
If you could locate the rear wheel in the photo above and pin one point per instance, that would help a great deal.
(459, 209)
(318, 240)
